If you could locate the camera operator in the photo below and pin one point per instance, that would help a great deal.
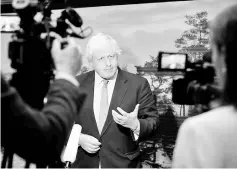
(39, 136)
(210, 139)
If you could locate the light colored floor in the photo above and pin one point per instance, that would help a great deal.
(161, 159)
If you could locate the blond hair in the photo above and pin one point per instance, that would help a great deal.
(97, 40)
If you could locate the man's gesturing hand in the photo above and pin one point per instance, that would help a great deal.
(89, 143)
(128, 120)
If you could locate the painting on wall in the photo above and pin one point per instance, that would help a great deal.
(142, 31)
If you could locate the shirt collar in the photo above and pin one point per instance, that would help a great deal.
(99, 79)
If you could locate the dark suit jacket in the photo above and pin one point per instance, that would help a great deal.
(118, 149)
(39, 136)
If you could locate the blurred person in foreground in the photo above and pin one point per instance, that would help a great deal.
(39, 136)
(119, 110)
(210, 139)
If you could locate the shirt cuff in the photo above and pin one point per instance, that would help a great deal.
(136, 132)
(68, 77)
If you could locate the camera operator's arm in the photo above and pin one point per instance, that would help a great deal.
(40, 136)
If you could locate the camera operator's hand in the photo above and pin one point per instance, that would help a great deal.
(69, 59)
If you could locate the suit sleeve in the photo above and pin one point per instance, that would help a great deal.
(147, 115)
(39, 136)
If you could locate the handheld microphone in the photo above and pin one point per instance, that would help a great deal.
(70, 152)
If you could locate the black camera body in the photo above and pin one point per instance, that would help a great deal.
(30, 48)
(197, 82)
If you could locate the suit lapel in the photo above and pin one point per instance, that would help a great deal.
(88, 85)
(119, 92)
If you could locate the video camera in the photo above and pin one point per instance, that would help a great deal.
(197, 83)
(29, 50)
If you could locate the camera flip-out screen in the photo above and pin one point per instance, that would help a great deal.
(9, 23)
(172, 61)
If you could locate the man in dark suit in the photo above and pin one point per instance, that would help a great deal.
(39, 136)
(119, 110)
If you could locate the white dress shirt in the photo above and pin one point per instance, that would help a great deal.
(97, 93)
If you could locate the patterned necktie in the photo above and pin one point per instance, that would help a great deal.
(104, 105)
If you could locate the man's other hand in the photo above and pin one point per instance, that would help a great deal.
(69, 58)
(89, 143)
(129, 120)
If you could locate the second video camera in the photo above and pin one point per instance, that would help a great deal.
(197, 82)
